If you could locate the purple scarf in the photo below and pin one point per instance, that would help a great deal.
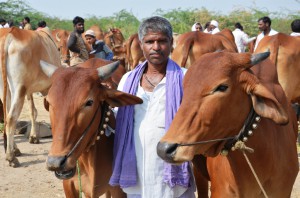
(124, 164)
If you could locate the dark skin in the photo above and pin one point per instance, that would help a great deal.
(79, 27)
(264, 27)
(156, 47)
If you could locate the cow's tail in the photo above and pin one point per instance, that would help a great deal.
(186, 50)
(4, 56)
(128, 53)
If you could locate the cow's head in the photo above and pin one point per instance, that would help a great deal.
(219, 91)
(75, 102)
(61, 38)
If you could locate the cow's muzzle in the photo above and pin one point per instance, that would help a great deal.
(166, 151)
(57, 164)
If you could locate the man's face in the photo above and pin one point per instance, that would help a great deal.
(90, 39)
(262, 26)
(156, 47)
(79, 27)
(198, 28)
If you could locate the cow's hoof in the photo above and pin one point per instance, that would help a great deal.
(33, 140)
(14, 163)
(17, 152)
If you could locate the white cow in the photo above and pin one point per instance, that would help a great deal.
(21, 75)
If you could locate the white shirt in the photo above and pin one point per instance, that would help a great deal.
(241, 39)
(216, 30)
(149, 128)
(295, 34)
(262, 35)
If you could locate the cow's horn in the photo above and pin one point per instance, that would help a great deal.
(107, 70)
(48, 68)
(57, 38)
(256, 58)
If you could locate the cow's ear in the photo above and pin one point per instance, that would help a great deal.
(117, 98)
(266, 105)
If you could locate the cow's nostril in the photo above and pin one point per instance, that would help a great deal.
(166, 151)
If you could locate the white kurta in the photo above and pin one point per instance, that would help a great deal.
(262, 35)
(149, 127)
(241, 39)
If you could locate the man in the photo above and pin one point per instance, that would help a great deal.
(158, 81)
(197, 27)
(78, 51)
(3, 23)
(264, 25)
(241, 38)
(26, 23)
(214, 27)
(99, 48)
(295, 25)
(42, 25)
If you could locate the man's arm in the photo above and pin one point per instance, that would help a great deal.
(72, 43)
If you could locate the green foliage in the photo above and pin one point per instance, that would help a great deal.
(181, 20)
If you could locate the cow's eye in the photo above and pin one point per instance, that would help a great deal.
(89, 103)
(221, 88)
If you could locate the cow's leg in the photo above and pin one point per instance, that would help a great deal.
(33, 137)
(11, 120)
(70, 190)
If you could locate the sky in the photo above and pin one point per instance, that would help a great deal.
(68, 9)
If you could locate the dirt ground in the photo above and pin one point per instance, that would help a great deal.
(32, 180)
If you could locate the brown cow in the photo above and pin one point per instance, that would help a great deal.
(192, 45)
(115, 40)
(134, 53)
(21, 52)
(222, 83)
(77, 104)
(61, 38)
(285, 54)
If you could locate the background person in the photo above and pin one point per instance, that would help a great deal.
(264, 25)
(197, 27)
(158, 81)
(99, 48)
(241, 38)
(214, 27)
(295, 26)
(26, 23)
(78, 51)
(42, 25)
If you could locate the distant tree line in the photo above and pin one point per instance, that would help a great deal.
(182, 20)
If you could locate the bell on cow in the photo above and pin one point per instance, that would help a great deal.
(257, 119)
(245, 139)
(224, 152)
(98, 137)
(250, 132)
(104, 126)
(254, 126)
(106, 119)
(101, 132)
(108, 113)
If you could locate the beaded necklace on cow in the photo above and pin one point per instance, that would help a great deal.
(250, 124)
(105, 110)
(238, 142)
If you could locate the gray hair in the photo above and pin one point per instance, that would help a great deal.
(155, 24)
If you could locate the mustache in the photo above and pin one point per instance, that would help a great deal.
(156, 52)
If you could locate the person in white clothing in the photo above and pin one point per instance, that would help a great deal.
(137, 168)
(3, 23)
(214, 27)
(241, 38)
(264, 25)
(197, 27)
(207, 27)
(295, 26)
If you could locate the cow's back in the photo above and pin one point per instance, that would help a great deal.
(285, 54)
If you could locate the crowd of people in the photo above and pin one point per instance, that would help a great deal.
(241, 38)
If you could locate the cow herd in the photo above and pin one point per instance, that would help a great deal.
(230, 99)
